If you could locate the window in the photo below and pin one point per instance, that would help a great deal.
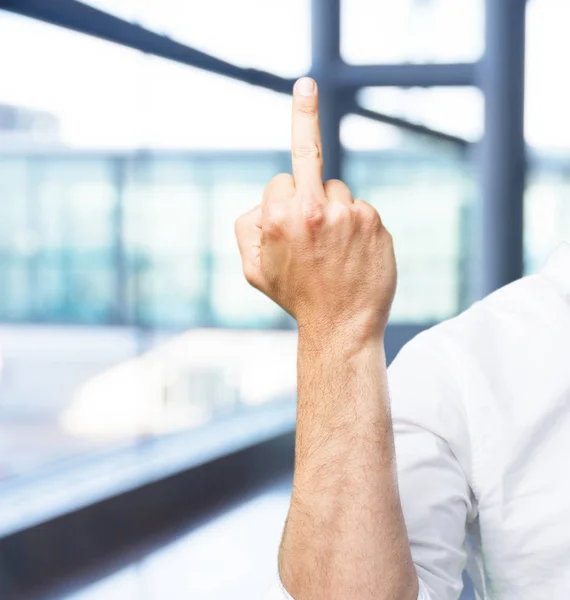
(415, 31)
(122, 175)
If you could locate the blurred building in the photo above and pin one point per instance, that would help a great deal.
(147, 239)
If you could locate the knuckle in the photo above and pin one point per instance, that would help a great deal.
(374, 216)
(245, 222)
(340, 213)
(370, 216)
(312, 208)
(375, 222)
(314, 216)
(306, 150)
(275, 217)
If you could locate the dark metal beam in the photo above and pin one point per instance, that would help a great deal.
(353, 77)
(326, 57)
(457, 141)
(503, 159)
(80, 17)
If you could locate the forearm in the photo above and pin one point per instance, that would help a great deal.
(345, 536)
(328, 260)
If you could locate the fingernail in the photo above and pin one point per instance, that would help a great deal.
(305, 86)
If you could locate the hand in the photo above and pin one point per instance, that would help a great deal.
(325, 258)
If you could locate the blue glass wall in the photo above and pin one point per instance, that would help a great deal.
(147, 238)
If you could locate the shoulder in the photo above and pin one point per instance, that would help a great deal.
(441, 354)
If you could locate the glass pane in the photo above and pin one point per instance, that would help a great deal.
(73, 217)
(232, 31)
(547, 92)
(416, 31)
(457, 111)
(17, 241)
(547, 212)
(165, 233)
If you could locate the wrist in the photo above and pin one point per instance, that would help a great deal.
(347, 339)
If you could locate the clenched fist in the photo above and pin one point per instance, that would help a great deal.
(323, 256)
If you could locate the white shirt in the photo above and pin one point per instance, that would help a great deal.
(481, 411)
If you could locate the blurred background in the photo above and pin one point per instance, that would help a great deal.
(147, 394)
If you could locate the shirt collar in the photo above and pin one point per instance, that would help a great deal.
(557, 269)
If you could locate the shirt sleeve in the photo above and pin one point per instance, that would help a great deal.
(433, 453)
(433, 461)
